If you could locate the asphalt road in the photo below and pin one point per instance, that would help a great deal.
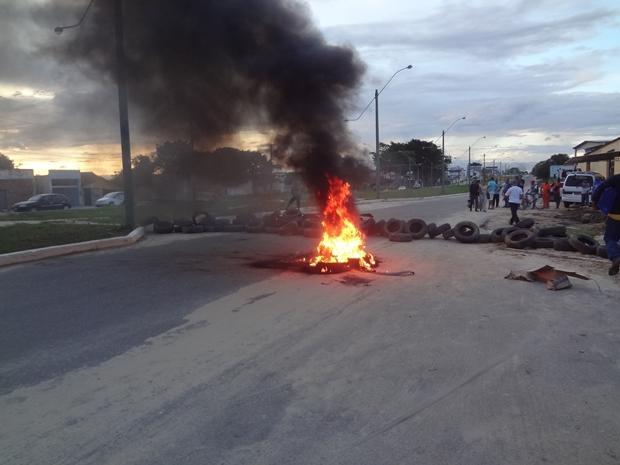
(180, 352)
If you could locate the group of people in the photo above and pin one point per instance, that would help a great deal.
(513, 192)
(480, 196)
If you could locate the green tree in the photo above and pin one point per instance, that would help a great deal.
(417, 156)
(541, 169)
(6, 163)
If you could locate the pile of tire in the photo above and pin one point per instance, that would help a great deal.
(524, 235)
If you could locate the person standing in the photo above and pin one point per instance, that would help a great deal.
(514, 195)
(546, 193)
(612, 225)
(557, 192)
(482, 198)
(295, 195)
(585, 193)
(507, 186)
(492, 193)
(474, 193)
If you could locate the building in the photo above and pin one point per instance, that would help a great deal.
(15, 186)
(598, 156)
(94, 187)
(66, 182)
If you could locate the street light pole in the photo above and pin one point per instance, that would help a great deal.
(377, 153)
(443, 153)
(123, 113)
(469, 158)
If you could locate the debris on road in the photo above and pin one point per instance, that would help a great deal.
(555, 280)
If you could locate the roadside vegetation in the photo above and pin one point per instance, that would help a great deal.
(18, 237)
(104, 215)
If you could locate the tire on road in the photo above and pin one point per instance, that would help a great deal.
(393, 226)
(583, 243)
(467, 232)
(561, 244)
(379, 228)
(182, 222)
(443, 228)
(416, 227)
(400, 237)
(163, 227)
(194, 228)
(484, 238)
(448, 234)
(497, 235)
(520, 238)
(431, 230)
(525, 223)
(557, 231)
(507, 231)
(543, 243)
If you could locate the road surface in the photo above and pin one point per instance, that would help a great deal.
(179, 351)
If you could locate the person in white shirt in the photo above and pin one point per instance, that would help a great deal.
(514, 195)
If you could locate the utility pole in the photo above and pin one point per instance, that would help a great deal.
(123, 113)
(377, 154)
(443, 161)
(468, 164)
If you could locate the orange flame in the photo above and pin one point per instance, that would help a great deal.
(342, 241)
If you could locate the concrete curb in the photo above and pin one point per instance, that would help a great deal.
(24, 256)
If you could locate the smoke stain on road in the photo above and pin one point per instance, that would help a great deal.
(253, 300)
(352, 280)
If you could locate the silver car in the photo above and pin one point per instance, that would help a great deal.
(111, 199)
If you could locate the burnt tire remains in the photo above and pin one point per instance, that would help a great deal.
(583, 243)
(520, 239)
(543, 243)
(416, 227)
(393, 226)
(467, 232)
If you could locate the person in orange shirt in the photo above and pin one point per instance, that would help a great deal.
(546, 193)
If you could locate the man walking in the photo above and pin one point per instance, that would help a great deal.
(514, 195)
(612, 225)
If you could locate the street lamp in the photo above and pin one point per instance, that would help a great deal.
(376, 99)
(443, 154)
(469, 158)
(122, 103)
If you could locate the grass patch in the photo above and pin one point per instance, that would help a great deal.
(106, 215)
(412, 193)
(33, 236)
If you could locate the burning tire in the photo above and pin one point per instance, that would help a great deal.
(431, 230)
(400, 237)
(448, 234)
(393, 226)
(525, 223)
(163, 227)
(601, 251)
(467, 232)
(583, 243)
(497, 235)
(520, 239)
(561, 244)
(556, 231)
(543, 243)
(416, 227)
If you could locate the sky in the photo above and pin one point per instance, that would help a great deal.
(533, 77)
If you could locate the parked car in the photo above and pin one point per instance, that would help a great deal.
(573, 186)
(111, 198)
(43, 202)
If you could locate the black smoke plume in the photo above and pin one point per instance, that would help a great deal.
(206, 68)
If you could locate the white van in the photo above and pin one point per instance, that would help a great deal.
(574, 185)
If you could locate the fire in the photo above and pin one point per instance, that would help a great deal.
(342, 241)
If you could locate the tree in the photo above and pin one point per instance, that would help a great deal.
(6, 163)
(513, 171)
(421, 157)
(541, 169)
